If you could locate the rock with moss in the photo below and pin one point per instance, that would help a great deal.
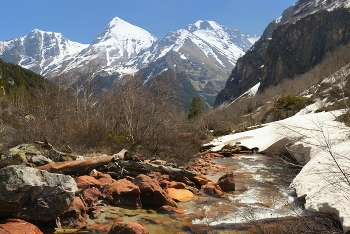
(23, 154)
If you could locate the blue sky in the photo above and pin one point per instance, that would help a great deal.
(82, 20)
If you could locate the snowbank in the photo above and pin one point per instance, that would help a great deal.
(323, 144)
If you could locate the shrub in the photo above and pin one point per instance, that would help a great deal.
(285, 107)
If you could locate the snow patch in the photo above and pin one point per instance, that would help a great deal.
(325, 187)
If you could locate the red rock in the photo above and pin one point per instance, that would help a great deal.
(95, 210)
(129, 178)
(151, 192)
(188, 182)
(227, 182)
(103, 178)
(213, 189)
(123, 192)
(76, 216)
(181, 195)
(87, 182)
(201, 180)
(170, 209)
(92, 195)
(127, 228)
(177, 185)
(16, 226)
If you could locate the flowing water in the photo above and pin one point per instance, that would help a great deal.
(261, 192)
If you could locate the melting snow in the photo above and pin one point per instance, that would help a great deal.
(320, 180)
(183, 56)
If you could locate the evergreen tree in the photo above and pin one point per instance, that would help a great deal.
(196, 108)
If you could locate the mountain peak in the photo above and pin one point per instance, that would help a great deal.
(119, 29)
(203, 25)
(118, 22)
(37, 32)
(41, 33)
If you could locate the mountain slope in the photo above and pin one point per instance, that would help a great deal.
(290, 46)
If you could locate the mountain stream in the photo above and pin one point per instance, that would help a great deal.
(261, 192)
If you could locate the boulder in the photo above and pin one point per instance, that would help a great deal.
(92, 195)
(103, 178)
(227, 182)
(15, 226)
(76, 216)
(188, 182)
(300, 152)
(33, 194)
(151, 192)
(95, 210)
(85, 181)
(175, 184)
(201, 180)
(127, 228)
(123, 192)
(23, 154)
(180, 195)
(38, 160)
(212, 189)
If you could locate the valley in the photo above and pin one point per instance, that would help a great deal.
(207, 130)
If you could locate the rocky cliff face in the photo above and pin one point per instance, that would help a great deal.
(288, 49)
(296, 48)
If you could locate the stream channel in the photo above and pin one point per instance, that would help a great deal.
(261, 192)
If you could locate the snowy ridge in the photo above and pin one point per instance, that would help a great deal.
(250, 93)
(220, 44)
(39, 50)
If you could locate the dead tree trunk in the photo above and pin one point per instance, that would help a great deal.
(78, 166)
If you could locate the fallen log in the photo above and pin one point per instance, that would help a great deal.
(78, 166)
(149, 167)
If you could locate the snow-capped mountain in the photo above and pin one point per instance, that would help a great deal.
(218, 43)
(49, 53)
(117, 43)
(205, 50)
(40, 51)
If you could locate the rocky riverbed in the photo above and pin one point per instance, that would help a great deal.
(242, 193)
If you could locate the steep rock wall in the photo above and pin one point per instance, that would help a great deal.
(293, 49)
